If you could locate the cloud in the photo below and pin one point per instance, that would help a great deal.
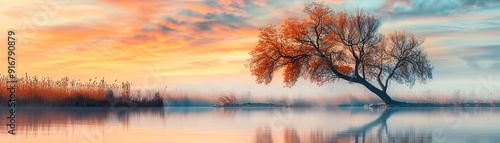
(483, 57)
(390, 5)
(212, 21)
(231, 19)
(240, 3)
(196, 38)
(405, 8)
(164, 28)
(144, 37)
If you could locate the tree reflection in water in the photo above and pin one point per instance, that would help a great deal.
(375, 131)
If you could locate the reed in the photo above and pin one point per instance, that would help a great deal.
(45, 91)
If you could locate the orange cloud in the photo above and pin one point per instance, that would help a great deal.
(123, 39)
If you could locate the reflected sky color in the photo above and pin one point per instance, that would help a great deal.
(204, 44)
(248, 125)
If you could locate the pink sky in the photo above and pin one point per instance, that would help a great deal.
(204, 44)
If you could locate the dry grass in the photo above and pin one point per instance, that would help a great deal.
(226, 99)
(45, 91)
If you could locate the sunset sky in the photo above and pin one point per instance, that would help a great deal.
(203, 45)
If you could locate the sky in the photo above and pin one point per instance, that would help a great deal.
(203, 45)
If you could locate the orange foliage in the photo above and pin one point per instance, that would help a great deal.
(343, 69)
(331, 45)
(300, 48)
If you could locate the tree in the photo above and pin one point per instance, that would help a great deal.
(332, 45)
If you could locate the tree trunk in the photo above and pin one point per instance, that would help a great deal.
(387, 100)
(381, 94)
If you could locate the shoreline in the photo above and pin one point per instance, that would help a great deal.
(250, 104)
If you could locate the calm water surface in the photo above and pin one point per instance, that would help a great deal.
(249, 125)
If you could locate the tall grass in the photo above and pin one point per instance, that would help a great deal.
(45, 91)
(225, 100)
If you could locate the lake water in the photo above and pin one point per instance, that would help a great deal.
(248, 125)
